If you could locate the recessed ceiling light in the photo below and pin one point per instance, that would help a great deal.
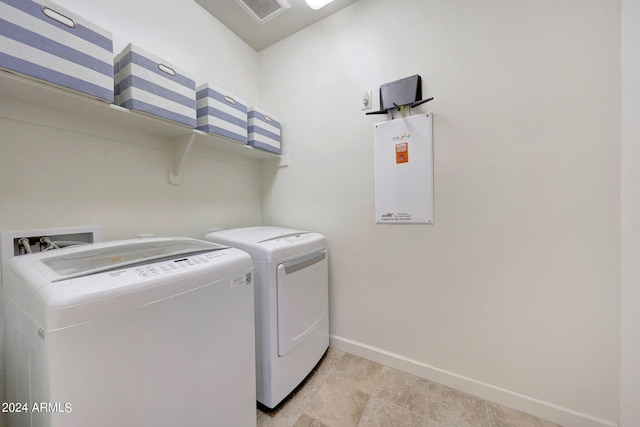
(317, 4)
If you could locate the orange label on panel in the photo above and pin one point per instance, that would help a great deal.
(402, 153)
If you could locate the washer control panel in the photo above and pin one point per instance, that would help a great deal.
(181, 264)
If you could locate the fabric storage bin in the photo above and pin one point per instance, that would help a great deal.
(147, 83)
(264, 130)
(221, 113)
(42, 40)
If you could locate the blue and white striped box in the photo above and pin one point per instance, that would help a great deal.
(221, 113)
(264, 130)
(147, 83)
(40, 39)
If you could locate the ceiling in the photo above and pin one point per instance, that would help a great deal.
(261, 35)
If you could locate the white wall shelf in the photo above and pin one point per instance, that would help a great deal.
(28, 91)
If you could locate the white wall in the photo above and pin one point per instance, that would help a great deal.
(630, 227)
(180, 31)
(62, 171)
(514, 292)
(118, 178)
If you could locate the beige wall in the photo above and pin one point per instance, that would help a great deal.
(180, 31)
(630, 195)
(62, 170)
(514, 292)
(58, 170)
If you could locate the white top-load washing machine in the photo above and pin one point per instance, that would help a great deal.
(292, 304)
(145, 332)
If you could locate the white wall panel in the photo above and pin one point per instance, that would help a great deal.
(516, 285)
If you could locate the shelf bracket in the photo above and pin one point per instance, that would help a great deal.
(178, 151)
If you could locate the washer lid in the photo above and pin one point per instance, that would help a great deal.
(269, 243)
(98, 280)
(86, 260)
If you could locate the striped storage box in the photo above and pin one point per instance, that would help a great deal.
(42, 40)
(147, 83)
(221, 113)
(264, 130)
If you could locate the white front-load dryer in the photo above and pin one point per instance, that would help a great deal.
(291, 302)
(146, 332)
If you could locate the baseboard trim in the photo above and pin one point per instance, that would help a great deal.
(563, 416)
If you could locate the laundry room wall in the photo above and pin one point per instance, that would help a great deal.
(60, 171)
(65, 171)
(513, 294)
(57, 170)
(630, 213)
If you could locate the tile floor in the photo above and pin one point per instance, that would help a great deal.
(349, 391)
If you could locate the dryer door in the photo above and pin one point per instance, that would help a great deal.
(303, 299)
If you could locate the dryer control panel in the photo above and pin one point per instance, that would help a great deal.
(298, 238)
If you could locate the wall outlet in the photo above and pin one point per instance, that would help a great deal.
(367, 99)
